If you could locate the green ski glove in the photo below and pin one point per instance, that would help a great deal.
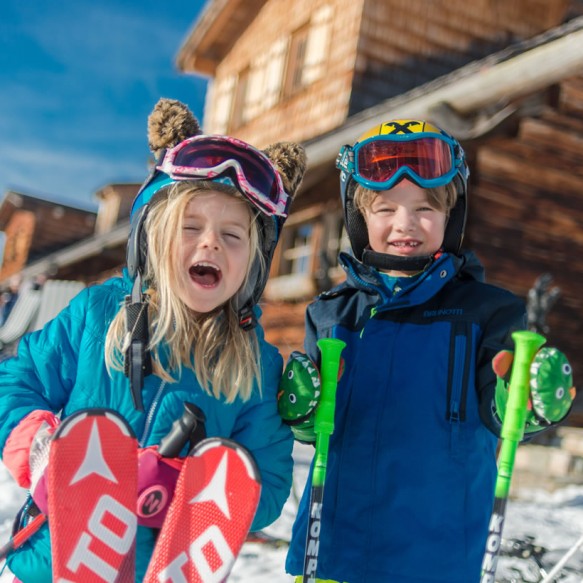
(298, 396)
(551, 387)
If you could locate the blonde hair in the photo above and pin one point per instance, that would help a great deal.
(224, 358)
(443, 198)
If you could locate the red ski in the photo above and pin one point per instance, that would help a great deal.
(213, 507)
(92, 498)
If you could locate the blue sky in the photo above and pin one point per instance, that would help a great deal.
(78, 79)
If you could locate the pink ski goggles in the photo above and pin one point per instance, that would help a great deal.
(211, 157)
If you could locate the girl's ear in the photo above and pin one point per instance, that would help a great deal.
(170, 123)
(290, 161)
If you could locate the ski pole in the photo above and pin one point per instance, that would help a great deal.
(564, 559)
(189, 427)
(22, 535)
(526, 346)
(331, 348)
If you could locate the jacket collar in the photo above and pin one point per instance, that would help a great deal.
(435, 277)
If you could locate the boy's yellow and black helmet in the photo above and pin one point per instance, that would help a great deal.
(382, 157)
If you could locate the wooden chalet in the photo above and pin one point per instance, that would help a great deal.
(504, 76)
(88, 255)
(33, 227)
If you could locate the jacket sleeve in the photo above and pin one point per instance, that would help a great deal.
(508, 317)
(43, 372)
(311, 336)
(260, 429)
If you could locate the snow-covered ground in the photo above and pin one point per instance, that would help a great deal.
(555, 521)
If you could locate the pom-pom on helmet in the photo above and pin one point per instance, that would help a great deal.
(382, 157)
(268, 179)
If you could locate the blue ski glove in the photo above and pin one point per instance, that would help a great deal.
(551, 388)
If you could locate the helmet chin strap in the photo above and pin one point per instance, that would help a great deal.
(386, 262)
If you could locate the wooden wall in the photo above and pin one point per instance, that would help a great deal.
(406, 43)
(315, 110)
(375, 51)
(526, 212)
(18, 237)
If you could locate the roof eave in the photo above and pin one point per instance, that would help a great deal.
(215, 32)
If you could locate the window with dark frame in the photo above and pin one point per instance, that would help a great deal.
(297, 257)
(238, 116)
(296, 61)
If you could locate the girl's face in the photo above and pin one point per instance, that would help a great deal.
(401, 221)
(214, 250)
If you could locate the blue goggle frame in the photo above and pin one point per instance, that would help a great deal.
(348, 154)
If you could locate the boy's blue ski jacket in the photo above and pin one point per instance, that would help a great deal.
(61, 368)
(412, 463)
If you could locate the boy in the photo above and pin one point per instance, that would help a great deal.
(412, 461)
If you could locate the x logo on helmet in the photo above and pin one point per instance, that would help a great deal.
(399, 128)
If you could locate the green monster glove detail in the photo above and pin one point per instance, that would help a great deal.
(551, 387)
(298, 396)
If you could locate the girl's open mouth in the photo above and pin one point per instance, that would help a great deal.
(205, 274)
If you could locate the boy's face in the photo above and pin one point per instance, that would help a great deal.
(215, 250)
(402, 222)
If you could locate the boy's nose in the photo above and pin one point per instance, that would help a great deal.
(404, 220)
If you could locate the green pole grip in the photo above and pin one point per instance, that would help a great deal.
(330, 349)
(527, 345)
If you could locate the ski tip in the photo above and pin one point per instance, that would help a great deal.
(242, 452)
(72, 420)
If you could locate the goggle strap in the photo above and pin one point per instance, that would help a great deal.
(247, 318)
(160, 158)
(345, 159)
(137, 358)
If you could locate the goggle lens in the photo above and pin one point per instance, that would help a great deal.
(206, 155)
(214, 156)
(380, 160)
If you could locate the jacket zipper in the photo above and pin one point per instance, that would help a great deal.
(457, 380)
(458, 384)
(151, 411)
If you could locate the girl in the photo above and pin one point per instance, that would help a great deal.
(203, 231)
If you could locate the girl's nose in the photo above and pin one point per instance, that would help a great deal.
(210, 239)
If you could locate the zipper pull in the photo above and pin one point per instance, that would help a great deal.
(373, 313)
(454, 414)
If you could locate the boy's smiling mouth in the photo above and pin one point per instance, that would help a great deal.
(205, 274)
(405, 244)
